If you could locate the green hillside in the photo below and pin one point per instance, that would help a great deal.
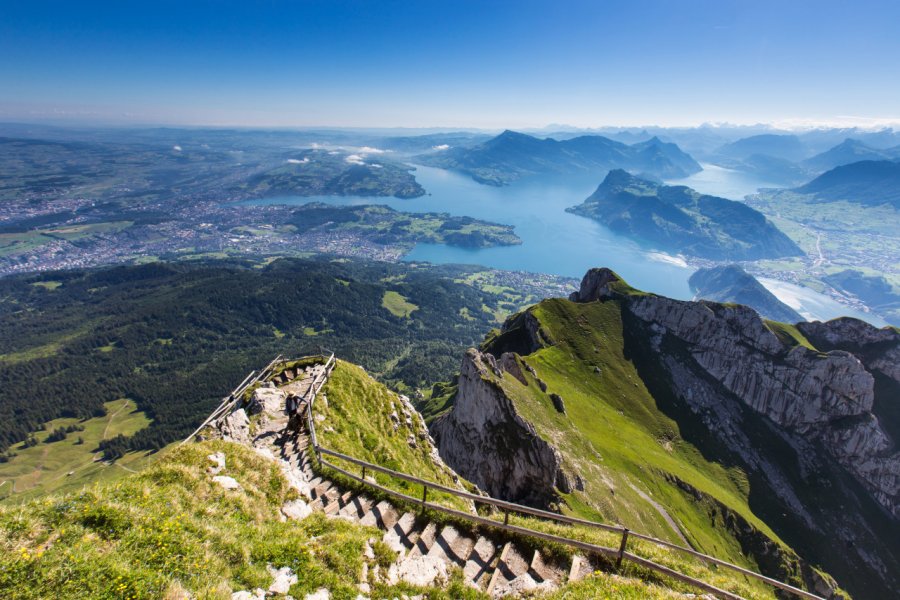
(172, 531)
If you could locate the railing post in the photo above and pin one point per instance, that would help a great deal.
(622, 548)
(364, 473)
(506, 517)
(424, 496)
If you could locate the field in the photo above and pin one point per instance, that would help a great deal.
(397, 305)
(67, 464)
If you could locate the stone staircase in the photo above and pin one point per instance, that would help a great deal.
(427, 551)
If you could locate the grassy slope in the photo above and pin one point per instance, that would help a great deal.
(356, 421)
(171, 529)
(45, 468)
(616, 438)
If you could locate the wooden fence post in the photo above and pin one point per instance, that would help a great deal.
(622, 548)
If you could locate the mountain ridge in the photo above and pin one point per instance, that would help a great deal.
(512, 155)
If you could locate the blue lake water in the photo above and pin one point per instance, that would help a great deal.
(555, 241)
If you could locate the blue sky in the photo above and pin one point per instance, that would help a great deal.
(454, 63)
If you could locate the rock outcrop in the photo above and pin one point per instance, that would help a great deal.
(824, 397)
(485, 440)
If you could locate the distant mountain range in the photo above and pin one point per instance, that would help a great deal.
(679, 219)
(784, 160)
(788, 147)
(868, 182)
(731, 283)
(511, 156)
(847, 152)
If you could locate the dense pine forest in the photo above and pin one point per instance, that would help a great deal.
(176, 338)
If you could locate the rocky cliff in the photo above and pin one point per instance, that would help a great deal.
(491, 443)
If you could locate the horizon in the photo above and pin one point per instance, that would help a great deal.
(521, 66)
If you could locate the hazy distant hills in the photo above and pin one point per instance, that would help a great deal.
(847, 152)
(788, 147)
(731, 283)
(789, 160)
(511, 156)
(679, 219)
(867, 182)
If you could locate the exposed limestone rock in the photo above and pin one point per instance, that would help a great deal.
(236, 427)
(229, 483)
(269, 400)
(486, 441)
(218, 463)
(821, 396)
(594, 285)
(283, 579)
(509, 363)
(878, 349)
(296, 510)
(257, 594)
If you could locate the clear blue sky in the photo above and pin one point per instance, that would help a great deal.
(452, 63)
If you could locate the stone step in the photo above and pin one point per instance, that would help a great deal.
(338, 503)
(513, 576)
(452, 546)
(402, 534)
(424, 542)
(356, 508)
(545, 571)
(496, 575)
(321, 488)
(478, 564)
(383, 515)
(579, 569)
(331, 495)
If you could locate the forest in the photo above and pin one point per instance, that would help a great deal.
(177, 337)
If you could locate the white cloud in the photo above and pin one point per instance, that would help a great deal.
(176, 148)
(846, 121)
(295, 161)
(440, 147)
(370, 150)
(376, 166)
(333, 152)
(355, 159)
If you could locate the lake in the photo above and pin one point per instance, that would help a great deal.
(555, 241)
